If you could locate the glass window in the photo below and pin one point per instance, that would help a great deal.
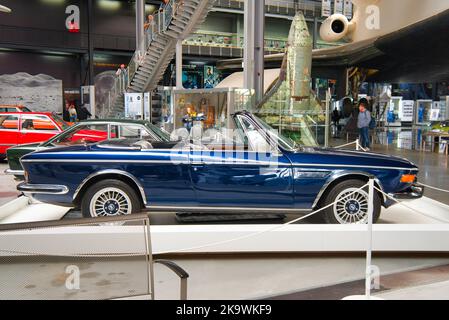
(9, 122)
(60, 121)
(129, 132)
(80, 134)
(37, 123)
(256, 140)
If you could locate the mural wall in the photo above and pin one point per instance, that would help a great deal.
(37, 92)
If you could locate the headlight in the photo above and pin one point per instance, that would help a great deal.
(408, 178)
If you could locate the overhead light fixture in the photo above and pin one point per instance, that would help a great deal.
(53, 2)
(5, 9)
(109, 4)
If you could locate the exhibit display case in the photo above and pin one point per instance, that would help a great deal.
(423, 112)
(209, 108)
(393, 112)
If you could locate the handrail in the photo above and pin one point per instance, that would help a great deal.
(160, 23)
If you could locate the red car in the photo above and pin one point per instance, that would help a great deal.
(17, 128)
(13, 108)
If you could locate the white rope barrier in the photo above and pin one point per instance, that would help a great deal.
(412, 209)
(357, 145)
(213, 244)
(434, 188)
(185, 249)
(345, 145)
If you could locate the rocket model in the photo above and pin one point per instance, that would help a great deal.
(5, 9)
(299, 59)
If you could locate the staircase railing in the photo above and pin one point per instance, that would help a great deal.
(160, 23)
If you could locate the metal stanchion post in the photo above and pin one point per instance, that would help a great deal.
(370, 237)
(357, 145)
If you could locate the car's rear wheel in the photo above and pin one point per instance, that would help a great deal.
(350, 205)
(109, 198)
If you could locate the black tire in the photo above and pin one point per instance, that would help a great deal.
(330, 214)
(127, 192)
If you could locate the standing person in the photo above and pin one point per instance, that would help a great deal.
(336, 121)
(72, 113)
(363, 122)
(123, 76)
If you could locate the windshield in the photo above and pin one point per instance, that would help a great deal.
(284, 142)
(165, 136)
(60, 122)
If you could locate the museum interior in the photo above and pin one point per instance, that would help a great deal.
(224, 150)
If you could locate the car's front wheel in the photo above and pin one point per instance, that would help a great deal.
(109, 198)
(349, 204)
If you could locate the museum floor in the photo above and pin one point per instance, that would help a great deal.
(286, 276)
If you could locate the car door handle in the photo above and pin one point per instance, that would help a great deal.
(198, 163)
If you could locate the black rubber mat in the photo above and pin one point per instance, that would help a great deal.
(201, 218)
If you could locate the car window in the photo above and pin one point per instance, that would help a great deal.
(256, 140)
(80, 134)
(60, 121)
(9, 122)
(126, 131)
(25, 109)
(37, 123)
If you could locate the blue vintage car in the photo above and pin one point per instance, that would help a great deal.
(254, 170)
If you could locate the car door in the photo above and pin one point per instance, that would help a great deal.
(9, 131)
(36, 128)
(252, 175)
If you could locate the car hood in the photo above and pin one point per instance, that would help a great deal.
(329, 156)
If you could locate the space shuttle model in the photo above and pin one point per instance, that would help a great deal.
(5, 9)
(296, 70)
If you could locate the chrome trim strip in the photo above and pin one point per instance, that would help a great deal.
(227, 209)
(340, 175)
(174, 162)
(43, 188)
(229, 163)
(111, 171)
(351, 166)
(15, 172)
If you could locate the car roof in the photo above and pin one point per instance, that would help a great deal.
(11, 106)
(28, 113)
(116, 120)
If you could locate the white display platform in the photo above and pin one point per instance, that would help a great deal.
(401, 230)
(22, 210)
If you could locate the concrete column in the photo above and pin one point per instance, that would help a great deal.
(254, 30)
(140, 33)
(90, 42)
(315, 32)
(248, 50)
(259, 49)
(179, 65)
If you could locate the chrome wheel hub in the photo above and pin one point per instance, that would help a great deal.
(351, 206)
(109, 202)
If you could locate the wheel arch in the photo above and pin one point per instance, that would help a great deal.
(110, 174)
(343, 176)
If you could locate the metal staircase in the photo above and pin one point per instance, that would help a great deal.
(175, 21)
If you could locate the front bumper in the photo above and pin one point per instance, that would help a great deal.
(42, 188)
(412, 193)
(15, 172)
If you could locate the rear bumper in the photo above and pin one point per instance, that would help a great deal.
(412, 193)
(15, 172)
(42, 188)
